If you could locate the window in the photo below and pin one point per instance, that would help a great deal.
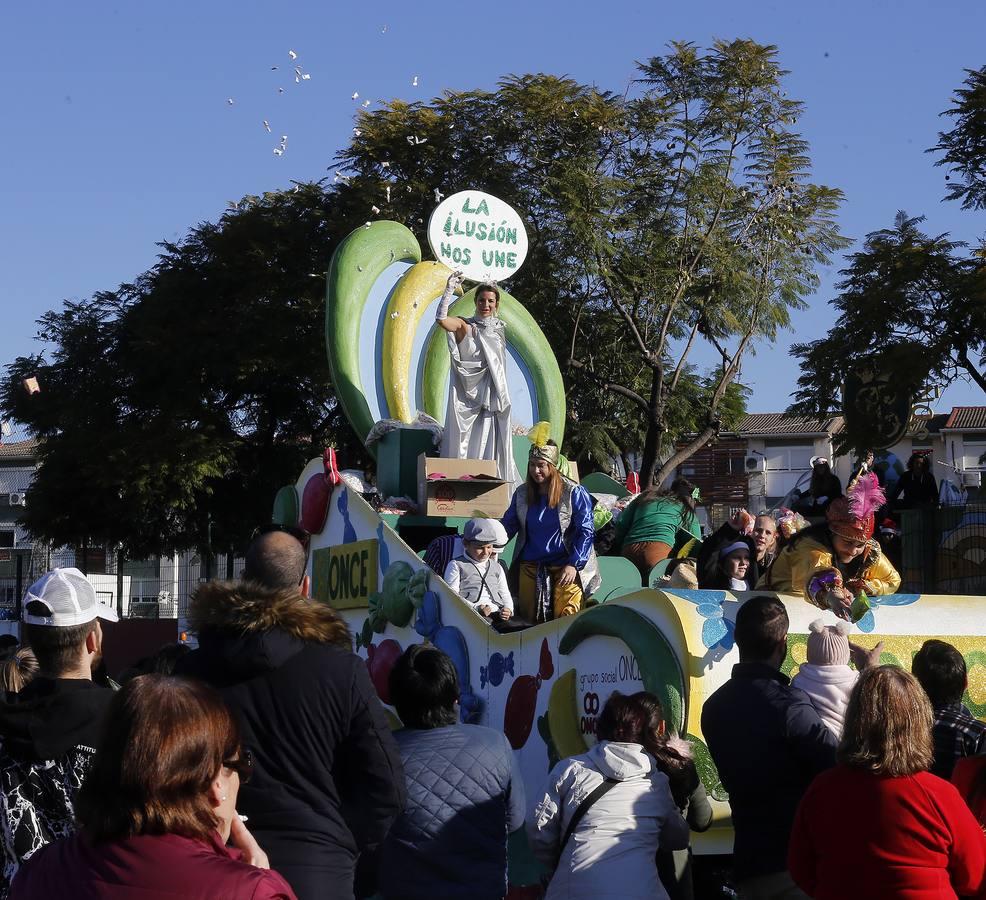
(972, 452)
(789, 457)
(6, 539)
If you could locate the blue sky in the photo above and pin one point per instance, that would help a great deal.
(117, 132)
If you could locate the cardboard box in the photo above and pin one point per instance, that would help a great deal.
(455, 495)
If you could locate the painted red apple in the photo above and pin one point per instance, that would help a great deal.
(380, 660)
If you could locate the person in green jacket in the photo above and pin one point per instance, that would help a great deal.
(648, 528)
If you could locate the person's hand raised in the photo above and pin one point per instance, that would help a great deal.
(246, 843)
(863, 658)
(454, 281)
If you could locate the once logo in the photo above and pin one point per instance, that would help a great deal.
(344, 576)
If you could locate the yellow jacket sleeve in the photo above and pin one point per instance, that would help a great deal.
(881, 577)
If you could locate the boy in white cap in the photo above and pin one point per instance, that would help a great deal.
(477, 576)
(49, 731)
(826, 678)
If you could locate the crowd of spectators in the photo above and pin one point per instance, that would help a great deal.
(262, 764)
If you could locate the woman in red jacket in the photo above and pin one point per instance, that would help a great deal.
(879, 824)
(158, 807)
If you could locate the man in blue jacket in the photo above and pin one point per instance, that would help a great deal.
(464, 791)
(768, 743)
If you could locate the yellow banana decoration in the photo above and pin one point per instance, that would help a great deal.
(563, 719)
(410, 300)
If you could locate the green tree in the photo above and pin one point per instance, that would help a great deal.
(911, 304)
(679, 215)
(964, 147)
(173, 408)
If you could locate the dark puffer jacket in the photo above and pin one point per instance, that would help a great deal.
(465, 794)
(327, 780)
(49, 733)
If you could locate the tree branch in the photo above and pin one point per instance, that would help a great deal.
(687, 452)
(610, 386)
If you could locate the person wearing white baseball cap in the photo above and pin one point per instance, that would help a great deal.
(49, 732)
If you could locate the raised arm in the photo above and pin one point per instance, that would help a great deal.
(453, 324)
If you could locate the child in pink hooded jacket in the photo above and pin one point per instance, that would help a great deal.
(826, 678)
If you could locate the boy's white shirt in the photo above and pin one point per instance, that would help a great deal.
(496, 580)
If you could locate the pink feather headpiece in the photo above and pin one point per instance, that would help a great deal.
(866, 496)
(852, 517)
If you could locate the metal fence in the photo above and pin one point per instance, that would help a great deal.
(943, 551)
(156, 589)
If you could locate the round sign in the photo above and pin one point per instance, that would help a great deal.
(479, 235)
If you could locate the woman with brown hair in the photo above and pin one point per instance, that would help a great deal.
(18, 670)
(607, 812)
(158, 807)
(477, 419)
(648, 529)
(554, 562)
(879, 824)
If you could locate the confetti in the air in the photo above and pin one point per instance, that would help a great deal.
(416, 141)
(267, 126)
(385, 165)
(278, 151)
(357, 132)
(31, 385)
(375, 210)
(230, 101)
(366, 103)
(414, 81)
(292, 54)
(438, 195)
(383, 30)
(388, 193)
(280, 90)
(356, 95)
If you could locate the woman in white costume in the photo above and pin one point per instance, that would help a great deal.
(477, 422)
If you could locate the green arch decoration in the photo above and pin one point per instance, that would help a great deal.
(357, 263)
(526, 337)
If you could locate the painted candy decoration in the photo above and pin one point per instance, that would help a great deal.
(867, 622)
(716, 629)
(380, 659)
(401, 594)
(286, 511)
(383, 552)
(518, 716)
(318, 491)
(342, 504)
(449, 639)
(498, 667)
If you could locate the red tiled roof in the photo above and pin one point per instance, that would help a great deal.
(19, 449)
(778, 424)
(967, 418)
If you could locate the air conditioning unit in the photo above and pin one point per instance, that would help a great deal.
(755, 464)
(17, 498)
(972, 479)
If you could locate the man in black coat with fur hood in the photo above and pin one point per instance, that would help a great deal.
(328, 780)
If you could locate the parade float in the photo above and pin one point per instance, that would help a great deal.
(544, 686)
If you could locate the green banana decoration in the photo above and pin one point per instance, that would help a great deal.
(660, 670)
(563, 719)
(357, 263)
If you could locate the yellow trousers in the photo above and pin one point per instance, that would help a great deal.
(566, 600)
